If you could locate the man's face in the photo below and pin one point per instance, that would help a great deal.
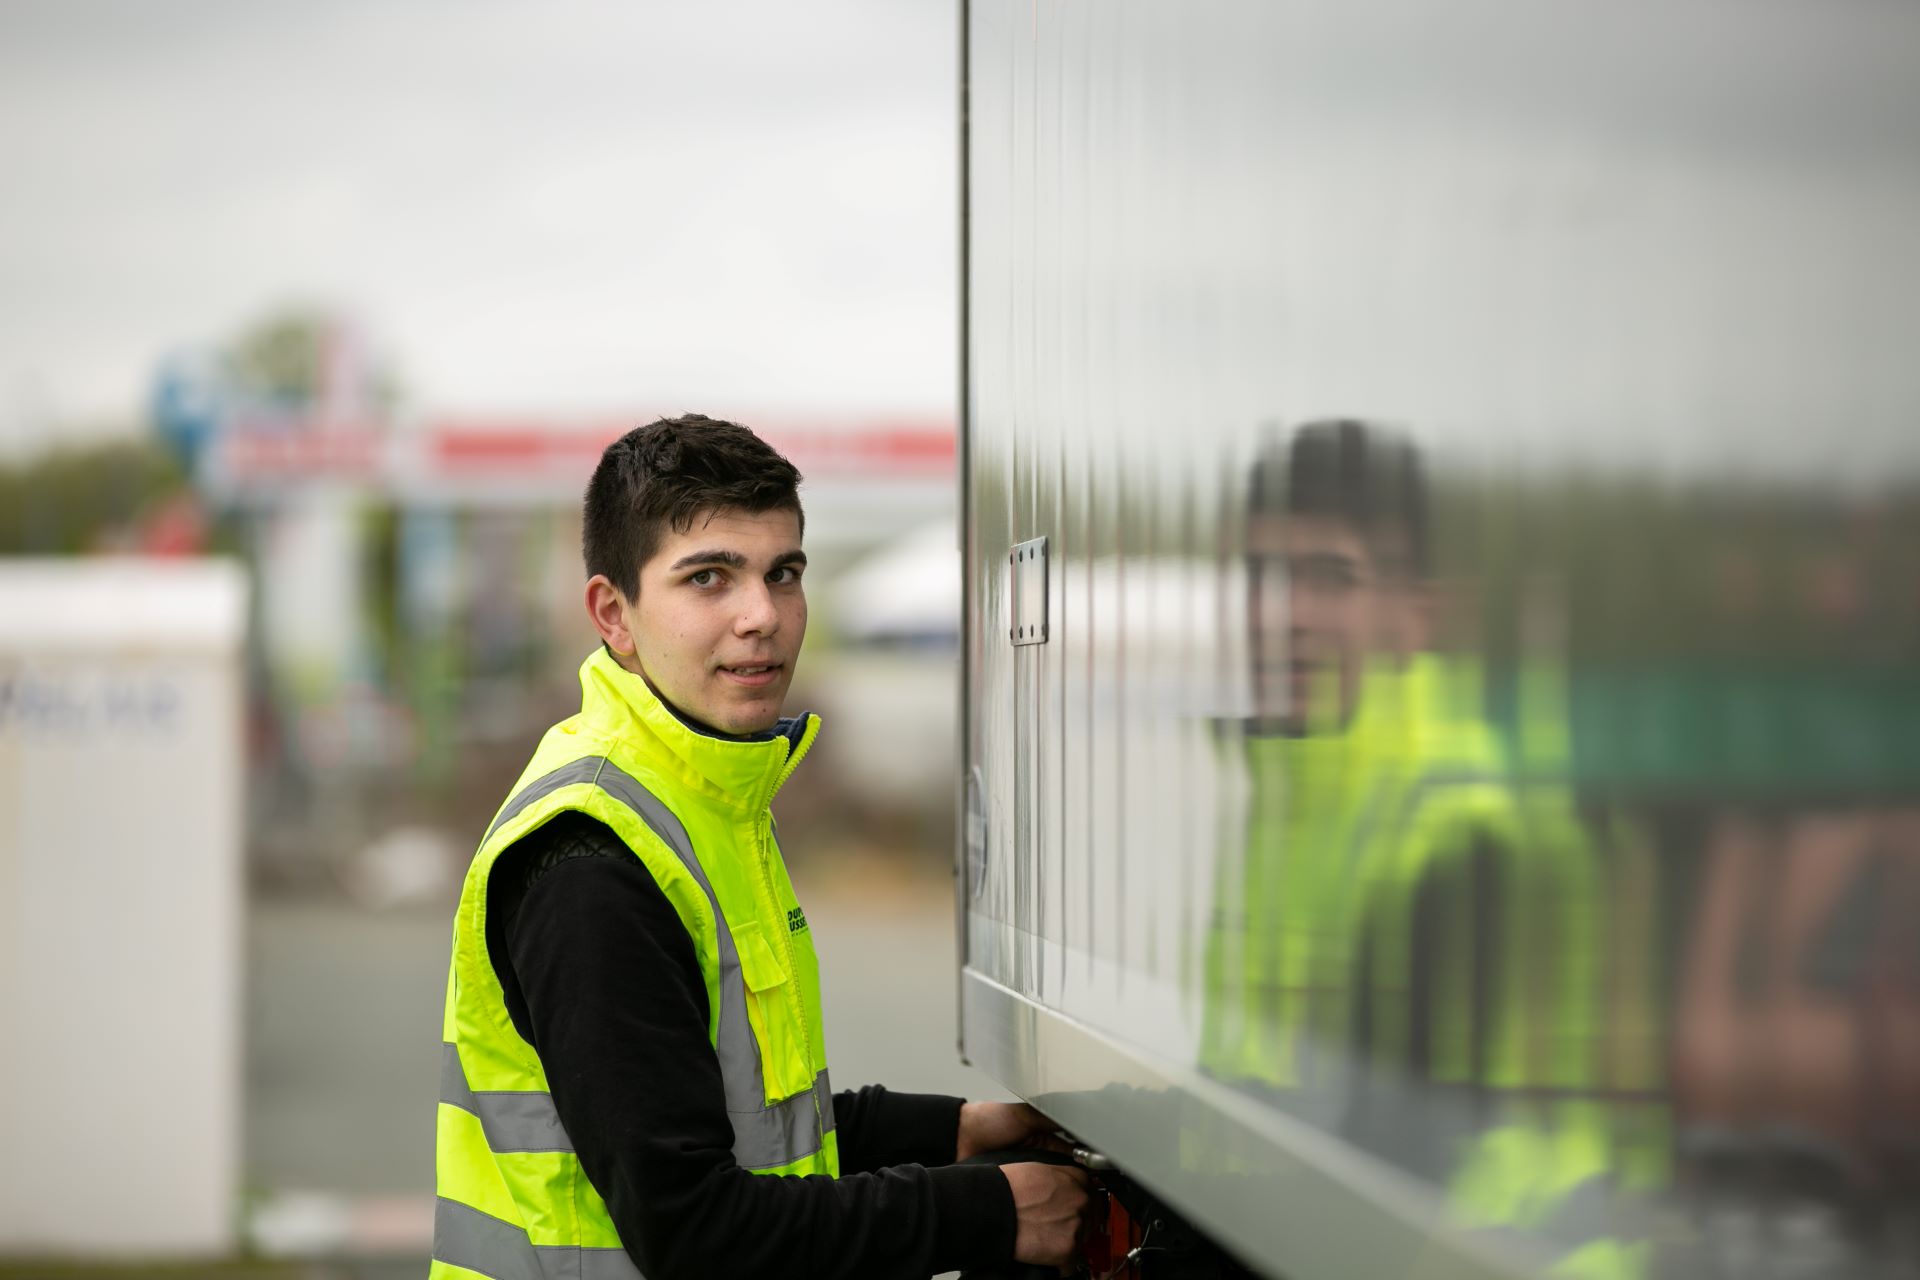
(1321, 608)
(720, 616)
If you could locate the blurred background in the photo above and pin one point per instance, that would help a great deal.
(313, 320)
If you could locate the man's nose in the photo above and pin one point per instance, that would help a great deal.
(1269, 600)
(1303, 606)
(757, 616)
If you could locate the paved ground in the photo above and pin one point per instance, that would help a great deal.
(344, 1028)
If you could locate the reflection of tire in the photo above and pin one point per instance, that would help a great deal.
(1902, 1238)
(1725, 1204)
(1779, 1216)
(1810, 1238)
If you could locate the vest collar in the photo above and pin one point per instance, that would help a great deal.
(740, 774)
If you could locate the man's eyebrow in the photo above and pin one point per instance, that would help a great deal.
(733, 559)
(1330, 562)
(717, 555)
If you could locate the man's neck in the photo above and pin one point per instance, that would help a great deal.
(631, 665)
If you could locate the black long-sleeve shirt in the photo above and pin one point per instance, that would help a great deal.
(601, 978)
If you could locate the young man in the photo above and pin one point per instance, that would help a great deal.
(634, 1074)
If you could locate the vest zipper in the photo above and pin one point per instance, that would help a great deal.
(762, 832)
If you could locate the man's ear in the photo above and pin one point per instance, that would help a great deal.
(608, 609)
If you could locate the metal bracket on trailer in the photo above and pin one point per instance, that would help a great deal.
(1028, 596)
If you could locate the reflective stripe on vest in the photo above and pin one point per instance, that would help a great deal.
(765, 1136)
(526, 1120)
(465, 1237)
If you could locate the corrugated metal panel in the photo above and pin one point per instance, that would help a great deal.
(1630, 293)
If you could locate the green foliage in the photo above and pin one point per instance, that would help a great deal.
(1642, 569)
(281, 357)
(76, 500)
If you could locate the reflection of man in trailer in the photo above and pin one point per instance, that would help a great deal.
(1348, 719)
(1405, 954)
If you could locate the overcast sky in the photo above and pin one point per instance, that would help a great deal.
(569, 206)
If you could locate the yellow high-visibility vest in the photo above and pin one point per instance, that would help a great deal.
(514, 1202)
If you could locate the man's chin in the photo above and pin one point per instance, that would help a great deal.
(727, 713)
(741, 716)
(749, 725)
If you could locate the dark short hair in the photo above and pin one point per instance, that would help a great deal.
(1351, 470)
(664, 476)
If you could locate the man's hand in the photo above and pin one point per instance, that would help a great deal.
(995, 1126)
(1053, 1206)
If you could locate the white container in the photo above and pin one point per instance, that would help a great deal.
(121, 772)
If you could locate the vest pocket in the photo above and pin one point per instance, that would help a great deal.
(760, 964)
(783, 1058)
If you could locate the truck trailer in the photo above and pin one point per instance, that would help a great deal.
(1440, 755)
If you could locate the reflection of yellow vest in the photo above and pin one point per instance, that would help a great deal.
(1276, 953)
(513, 1198)
(1342, 829)
(1343, 832)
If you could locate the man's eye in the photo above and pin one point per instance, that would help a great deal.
(1334, 575)
(1325, 573)
(785, 575)
(704, 578)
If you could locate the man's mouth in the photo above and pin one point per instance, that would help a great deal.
(754, 675)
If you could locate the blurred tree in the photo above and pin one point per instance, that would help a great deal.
(281, 359)
(71, 501)
(296, 357)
